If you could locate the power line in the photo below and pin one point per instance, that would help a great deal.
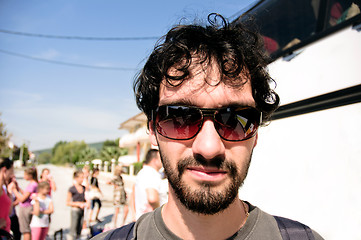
(65, 63)
(78, 37)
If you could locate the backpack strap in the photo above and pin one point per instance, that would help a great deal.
(123, 233)
(293, 230)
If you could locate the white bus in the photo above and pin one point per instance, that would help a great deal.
(307, 164)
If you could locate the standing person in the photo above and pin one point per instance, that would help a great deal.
(119, 195)
(24, 197)
(76, 200)
(148, 184)
(205, 91)
(85, 183)
(6, 174)
(46, 176)
(42, 208)
(95, 195)
(15, 228)
(86, 172)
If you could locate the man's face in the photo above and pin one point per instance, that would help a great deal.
(206, 171)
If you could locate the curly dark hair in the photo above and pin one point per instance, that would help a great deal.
(236, 49)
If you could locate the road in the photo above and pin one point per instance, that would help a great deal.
(63, 176)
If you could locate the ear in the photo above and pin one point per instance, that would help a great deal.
(255, 140)
(152, 134)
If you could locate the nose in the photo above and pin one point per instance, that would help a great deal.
(208, 143)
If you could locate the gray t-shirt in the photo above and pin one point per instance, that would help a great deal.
(259, 225)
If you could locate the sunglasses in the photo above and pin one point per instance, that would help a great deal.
(184, 123)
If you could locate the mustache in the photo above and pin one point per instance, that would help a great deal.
(216, 162)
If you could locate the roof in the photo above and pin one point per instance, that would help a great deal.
(133, 121)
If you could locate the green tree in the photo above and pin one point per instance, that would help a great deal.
(56, 146)
(111, 143)
(88, 154)
(111, 150)
(109, 153)
(68, 153)
(44, 157)
(5, 150)
(24, 151)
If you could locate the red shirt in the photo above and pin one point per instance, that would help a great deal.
(5, 205)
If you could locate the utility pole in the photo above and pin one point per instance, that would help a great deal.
(21, 154)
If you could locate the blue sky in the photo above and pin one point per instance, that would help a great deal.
(42, 103)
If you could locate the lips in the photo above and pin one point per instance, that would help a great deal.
(207, 170)
(207, 174)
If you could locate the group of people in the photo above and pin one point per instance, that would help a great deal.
(35, 206)
(83, 196)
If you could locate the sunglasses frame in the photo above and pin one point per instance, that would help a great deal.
(205, 112)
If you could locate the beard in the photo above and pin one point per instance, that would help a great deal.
(205, 199)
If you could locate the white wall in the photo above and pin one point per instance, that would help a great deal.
(308, 167)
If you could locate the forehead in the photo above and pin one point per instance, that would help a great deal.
(204, 89)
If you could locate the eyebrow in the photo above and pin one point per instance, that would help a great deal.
(188, 103)
(180, 102)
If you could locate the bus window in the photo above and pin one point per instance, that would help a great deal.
(342, 10)
(284, 23)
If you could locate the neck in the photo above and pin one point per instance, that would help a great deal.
(152, 166)
(190, 225)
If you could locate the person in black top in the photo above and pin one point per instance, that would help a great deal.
(95, 194)
(76, 200)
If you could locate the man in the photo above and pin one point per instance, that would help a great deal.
(148, 183)
(205, 92)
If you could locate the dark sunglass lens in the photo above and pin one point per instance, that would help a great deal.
(236, 124)
(178, 122)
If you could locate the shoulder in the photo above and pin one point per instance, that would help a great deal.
(285, 227)
(150, 173)
(72, 189)
(260, 224)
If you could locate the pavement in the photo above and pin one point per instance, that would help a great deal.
(60, 219)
